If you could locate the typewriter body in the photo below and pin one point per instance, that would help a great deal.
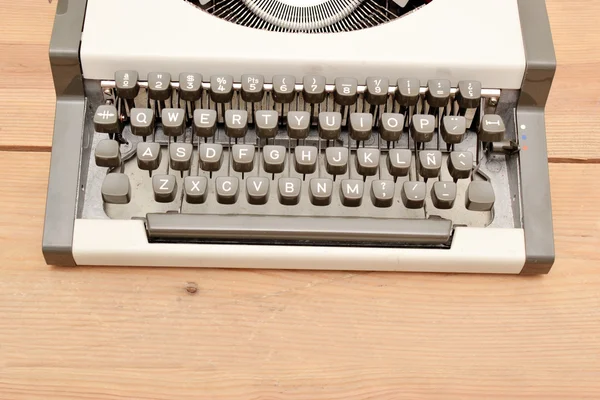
(347, 134)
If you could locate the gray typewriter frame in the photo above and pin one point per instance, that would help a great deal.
(65, 194)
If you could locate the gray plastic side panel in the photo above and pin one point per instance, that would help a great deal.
(535, 180)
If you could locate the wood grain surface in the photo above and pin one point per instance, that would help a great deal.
(137, 333)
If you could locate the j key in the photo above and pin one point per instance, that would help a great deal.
(398, 162)
(305, 158)
(106, 120)
(330, 125)
(367, 161)
(211, 156)
(221, 88)
(148, 156)
(205, 122)
(480, 196)
(346, 91)
(336, 160)
(351, 192)
(468, 94)
(382, 193)
(242, 157)
(453, 129)
(430, 163)
(236, 123)
(116, 189)
(284, 88)
(288, 191)
(180, 155)
(443, 195)
(422, 128)
(377, 90)
(164, 188)
(142, 121)
(273, 159)
(438, 92)
(314, 89)
(298, 124)
(320, 191)
(173, 120)
(159, 86)
(413, 194)
(391, 126)
(227, 188)
(266, 123)
(107, 154)
(253, 88)
(361, 126)
(190, 86)
(196, 189)
(257, 190)
(491, 128)
(460, 164)
(408, 91)
(126, 83)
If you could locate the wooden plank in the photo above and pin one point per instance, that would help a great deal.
(136, 333)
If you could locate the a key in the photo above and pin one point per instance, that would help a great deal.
(367, 161)
(422, 128)
(430, 163)
(320, 190)
(351, 192)
(142, 121)
(106, 120)
(164, 188)
(284, 88)
(491, 129)
(116, 189)
(391, 126)
(453, 129)
(242, 157)
(180, 155)
(460, 164)
(413, 194)
(377, 90)
(346, 91)
(266, 123)
(257, 190)
(382, 193)
(108, 154)
(205, 122)
(288, 191)
(190, 86)
(468, 94)
(221, 88)
(438, 92)
(236, 123)
(330, 125)
(273, 159)
(148, 156)
(298, 124)
(126, 84)
(211, 156)
(336, 160)
(159, 86)
(253, 88)
(443, 195)
(361, 126)
(480, 196)
(408, 92)
(398, 162)
(305, 158)
(173, 120)
(227, 188)
(314, 89)
(196, 189)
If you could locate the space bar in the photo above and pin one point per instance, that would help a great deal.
(257, 228)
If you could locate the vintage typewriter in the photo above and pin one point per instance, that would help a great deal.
(403, 135)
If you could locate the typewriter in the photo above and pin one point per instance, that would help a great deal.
(383, 135)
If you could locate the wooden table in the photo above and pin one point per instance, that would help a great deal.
(136, 333)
